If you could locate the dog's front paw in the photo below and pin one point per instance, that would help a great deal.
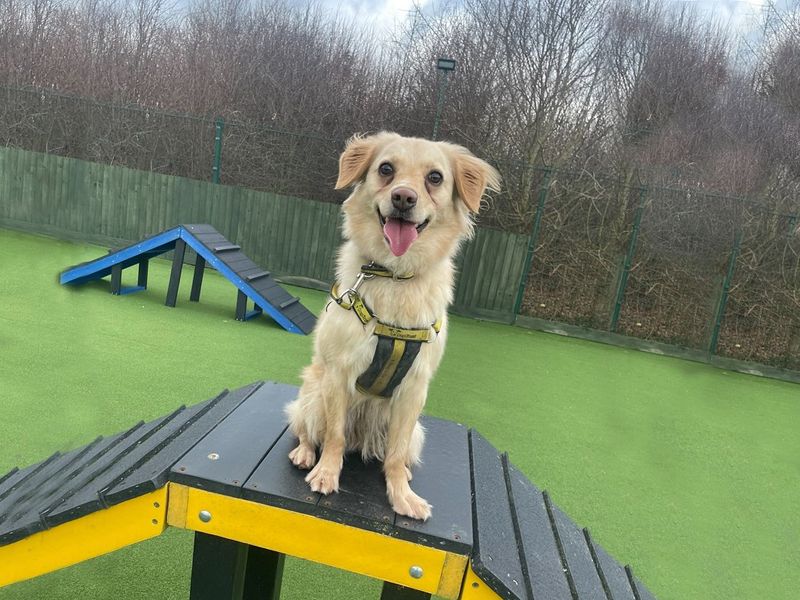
(303, 457)
(411, 505)
(323, 479)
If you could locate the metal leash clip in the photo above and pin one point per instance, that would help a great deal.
(352, 292)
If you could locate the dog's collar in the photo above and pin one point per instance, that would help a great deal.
(373, 269)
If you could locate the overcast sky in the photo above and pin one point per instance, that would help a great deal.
(383, 14)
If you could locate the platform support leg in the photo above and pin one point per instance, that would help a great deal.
(226, 570)
(241, 306)
(144, 264)
(392, 591)
(175, 274)
(116, 279)
(197, 280)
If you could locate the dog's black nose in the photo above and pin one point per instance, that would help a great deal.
(404, 198)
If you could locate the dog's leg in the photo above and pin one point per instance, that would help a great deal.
(403, 446)
(304, 456)
(302, 414)
(324, 477)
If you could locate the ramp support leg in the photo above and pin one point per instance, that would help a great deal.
(116, 279)
(223, 569)
(197, 280)
(144, 264)
(392, 591)
(175, 274)
(241, 306)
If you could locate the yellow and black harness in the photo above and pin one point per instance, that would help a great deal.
(397, 346)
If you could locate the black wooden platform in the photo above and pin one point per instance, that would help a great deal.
(223, 469)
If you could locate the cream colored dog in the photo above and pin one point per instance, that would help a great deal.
(408, 213)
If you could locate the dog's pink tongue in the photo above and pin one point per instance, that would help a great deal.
(401, 234)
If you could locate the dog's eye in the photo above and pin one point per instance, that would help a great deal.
(386, 169)
(435, 177)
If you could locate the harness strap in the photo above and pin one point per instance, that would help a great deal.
(365, 315)
(396, 349)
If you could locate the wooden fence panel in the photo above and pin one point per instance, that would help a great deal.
(290, 236)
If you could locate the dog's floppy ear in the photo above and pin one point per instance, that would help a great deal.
(473, 177)
(355, 159)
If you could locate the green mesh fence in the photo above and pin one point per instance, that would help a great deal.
(577, 255)
(680, 261)
(762, 317)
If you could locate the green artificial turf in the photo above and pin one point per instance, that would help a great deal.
(687, 472)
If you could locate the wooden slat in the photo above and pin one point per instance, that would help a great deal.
(613, 575)
(226, 457)
(577, 558)
(543, 561)
(495, 557)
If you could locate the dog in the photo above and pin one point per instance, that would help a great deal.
(383, 333)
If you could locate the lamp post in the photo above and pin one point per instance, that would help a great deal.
(445, 65)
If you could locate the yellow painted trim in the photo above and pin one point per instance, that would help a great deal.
(335, 544)
(475, 589)
(72, 542)
(452, 575)
(177, 497)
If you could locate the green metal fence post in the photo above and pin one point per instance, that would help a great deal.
(723, 298)
(544, 189)
(219, 125)
(626, 266)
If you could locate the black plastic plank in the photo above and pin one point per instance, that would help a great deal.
(226, 457)
(7, 477)
(237, 261)
(578, 558)
(306, 324)
(266, 287)
(210, 240)
(257, 274)
(154, 472)
(361, 500)
(277, 482)
(84, 495)
(642, 593)
(495, 557)
(229, 247)
(289, 302)
(294, 311)
(200, 228)
(12, 479)
(541, 556)
(27, 492)
(27, 519)
(443, 479)
(613, 575)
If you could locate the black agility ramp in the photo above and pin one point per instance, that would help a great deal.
(220, 468)
(253, 282)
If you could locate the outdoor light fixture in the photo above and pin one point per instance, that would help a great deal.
(446, 64)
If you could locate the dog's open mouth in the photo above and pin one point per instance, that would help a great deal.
(400, 233)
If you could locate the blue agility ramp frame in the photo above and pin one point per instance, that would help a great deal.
(212, 249)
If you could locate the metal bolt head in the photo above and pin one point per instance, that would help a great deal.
(213, 456)
(204, 516)
(415, 572)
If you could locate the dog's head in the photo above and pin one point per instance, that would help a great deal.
(413, 198)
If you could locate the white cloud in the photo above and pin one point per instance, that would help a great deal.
(380, 15)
